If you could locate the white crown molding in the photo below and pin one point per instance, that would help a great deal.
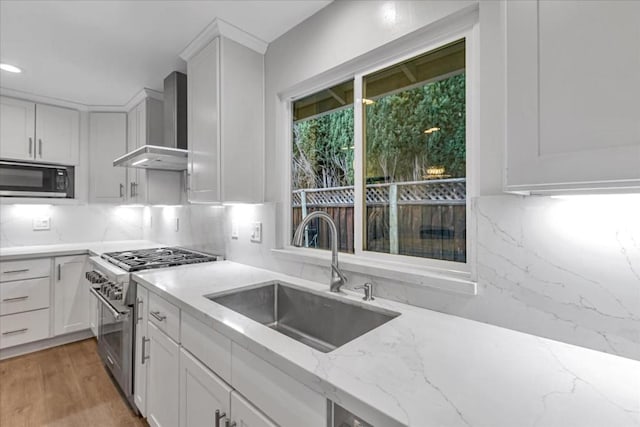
(135, 100)
(218, 27)
(40, 99)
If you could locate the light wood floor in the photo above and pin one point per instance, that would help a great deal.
(65, 386)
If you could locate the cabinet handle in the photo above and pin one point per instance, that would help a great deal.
(138, 303)
(17, 331)
(158, 316)
(15, 299)
(135, 188)
(24, 270)
(121, 190)
(131, 190)
(229, 423)
(30, 146)
(219, 416)
(59, 272)
(109, 360)
(145, 356)
(40, 147)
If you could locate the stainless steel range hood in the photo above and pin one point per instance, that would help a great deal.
(171, 153)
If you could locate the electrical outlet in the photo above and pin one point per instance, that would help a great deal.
(234, 230)
(42, 223)
(256, 232)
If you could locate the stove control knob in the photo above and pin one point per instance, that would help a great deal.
(117, 295)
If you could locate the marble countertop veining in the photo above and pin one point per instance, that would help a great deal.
(424, 367)
(97, 248)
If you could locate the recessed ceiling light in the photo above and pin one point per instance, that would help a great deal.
(10, 68)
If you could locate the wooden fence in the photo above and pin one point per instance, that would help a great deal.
(423, 218)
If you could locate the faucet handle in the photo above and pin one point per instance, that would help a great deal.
(368, 291)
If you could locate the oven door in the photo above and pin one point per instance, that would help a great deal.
(31, 180)
(114, 343)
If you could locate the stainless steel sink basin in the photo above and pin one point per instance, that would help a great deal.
(318, 321)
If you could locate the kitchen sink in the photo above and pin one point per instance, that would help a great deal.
(321, 322)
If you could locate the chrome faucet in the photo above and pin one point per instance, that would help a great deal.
(337, 278)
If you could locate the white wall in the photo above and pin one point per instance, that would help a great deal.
(563, 269)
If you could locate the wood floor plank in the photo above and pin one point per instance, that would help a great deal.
(65, 386)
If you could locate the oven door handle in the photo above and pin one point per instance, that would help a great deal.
(116, 314)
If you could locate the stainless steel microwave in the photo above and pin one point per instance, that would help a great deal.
(36, 180)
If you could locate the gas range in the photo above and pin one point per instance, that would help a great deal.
(110, 282)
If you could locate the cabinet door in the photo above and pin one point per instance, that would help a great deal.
(17, 124)
(132, 144)
(247, 415)
(202, 393)
(57, 134)
(107, 141)
(573, 116)
(141, 350)
(71, 293)
(163, 384)
(203, 89)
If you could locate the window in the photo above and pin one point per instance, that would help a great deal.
(413, 159)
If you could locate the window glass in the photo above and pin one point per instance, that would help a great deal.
(322, 164)
(415, 156)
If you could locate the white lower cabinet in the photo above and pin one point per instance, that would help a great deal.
(71, 293)
(184, 384)
(244, 414)
(141, 350)
(21, 328)
(163, 391)
(202, 393)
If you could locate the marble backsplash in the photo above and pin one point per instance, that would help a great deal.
(565, 269)
(199, 227)
(68, 224)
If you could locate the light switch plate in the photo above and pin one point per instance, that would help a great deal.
(234, 230)
(42, 223)
(256, 232)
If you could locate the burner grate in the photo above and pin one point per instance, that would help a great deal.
(143, 259)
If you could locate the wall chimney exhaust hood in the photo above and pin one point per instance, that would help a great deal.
(171, 153)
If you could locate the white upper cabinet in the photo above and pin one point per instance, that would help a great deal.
(57, 134)
(17, 131)
(225, 123)
(107, 141)
(573, 91)
(38, 132)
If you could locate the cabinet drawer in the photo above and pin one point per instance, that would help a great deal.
(25, 269)
(165, 316)
(283, 399)
(24, 295)
(210, 347)
(22, 328)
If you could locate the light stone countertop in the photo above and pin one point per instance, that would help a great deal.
(424, 368)
(95, 248)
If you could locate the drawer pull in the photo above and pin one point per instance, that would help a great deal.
(145, 356)
(24, 270)
(110, 361)
(139, 302)
(158, 316)
(17, 331)
(15, 299)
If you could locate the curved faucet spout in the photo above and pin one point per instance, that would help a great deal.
(337, 277)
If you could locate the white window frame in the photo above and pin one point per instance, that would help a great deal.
(447, 275)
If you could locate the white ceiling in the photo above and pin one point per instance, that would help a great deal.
(104, 52)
